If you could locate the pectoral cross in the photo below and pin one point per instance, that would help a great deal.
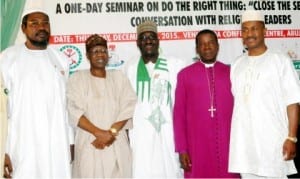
(212, 110)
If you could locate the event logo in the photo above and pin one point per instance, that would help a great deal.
(74, 55)
(114, 61)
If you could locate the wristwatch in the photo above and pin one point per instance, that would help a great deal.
(114, 131)
(293, 139)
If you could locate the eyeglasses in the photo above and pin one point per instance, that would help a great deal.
(35, 23)
(147, 37)
(98, 51)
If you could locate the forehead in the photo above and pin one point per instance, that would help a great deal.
(98, 47)
(37, 15)
(148, 33)
(205, 36)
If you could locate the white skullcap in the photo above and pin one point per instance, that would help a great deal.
(32, 6)
(252, 15)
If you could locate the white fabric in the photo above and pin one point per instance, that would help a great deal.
(260, 123)
(103, 101)
(32, 6)
(251, 176)
(3, 124)
(252, 15)
(37, 142)
(154, 152)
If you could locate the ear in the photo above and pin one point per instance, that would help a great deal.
(265, 31)
(23, 27)
(87, 56)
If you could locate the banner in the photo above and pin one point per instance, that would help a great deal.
(72, 21)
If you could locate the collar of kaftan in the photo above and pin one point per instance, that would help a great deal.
(143, 82)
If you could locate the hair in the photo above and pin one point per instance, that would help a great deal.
(206, 31)
(93, 41)
(24, 20)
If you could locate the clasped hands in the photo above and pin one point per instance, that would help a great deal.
(104, 138)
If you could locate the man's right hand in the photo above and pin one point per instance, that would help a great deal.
(103, 139)
(7, 167)
(185, 161)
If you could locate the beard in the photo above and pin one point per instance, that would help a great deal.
(149, 53)
(41, 43)
(36, 43)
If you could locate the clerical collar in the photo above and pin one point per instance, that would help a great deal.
(207, 65)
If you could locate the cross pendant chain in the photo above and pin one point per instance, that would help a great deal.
(212, 110)
(211, 90)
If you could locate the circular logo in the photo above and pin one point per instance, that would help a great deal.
(74, 55)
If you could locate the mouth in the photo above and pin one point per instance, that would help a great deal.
(149, 47)
(42, 34)
(101, 61)
(208, 53)
(252, 39)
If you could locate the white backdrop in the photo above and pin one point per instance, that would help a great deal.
(72, 21)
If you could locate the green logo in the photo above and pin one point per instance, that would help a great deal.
(74, 55)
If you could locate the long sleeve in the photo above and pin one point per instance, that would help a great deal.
(127, 102)
(76, 102)
(179, 114)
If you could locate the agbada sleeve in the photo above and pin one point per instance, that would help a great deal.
(76, 97)
(127, 101)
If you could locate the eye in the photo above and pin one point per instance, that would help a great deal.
(147, 37)
(35, 23)
(98, 51)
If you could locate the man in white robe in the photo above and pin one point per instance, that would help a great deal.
(266, 93)
(154, 79)
(35, 80)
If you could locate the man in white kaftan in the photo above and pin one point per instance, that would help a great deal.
(266, 92)
(152, 138)
(35, 79)
(154, 79)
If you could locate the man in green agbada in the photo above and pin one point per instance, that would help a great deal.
(154, 79)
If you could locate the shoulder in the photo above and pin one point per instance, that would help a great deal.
(238, 60)
(10, 55)
(79, 74)
(190, 69)
(117, 74)
(277, 54)
(11, 51)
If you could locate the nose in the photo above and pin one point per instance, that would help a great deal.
(207, 46)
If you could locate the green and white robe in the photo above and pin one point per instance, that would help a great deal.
(152, 135)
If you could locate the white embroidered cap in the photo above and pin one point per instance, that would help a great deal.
(32, 6)
(252, 15)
